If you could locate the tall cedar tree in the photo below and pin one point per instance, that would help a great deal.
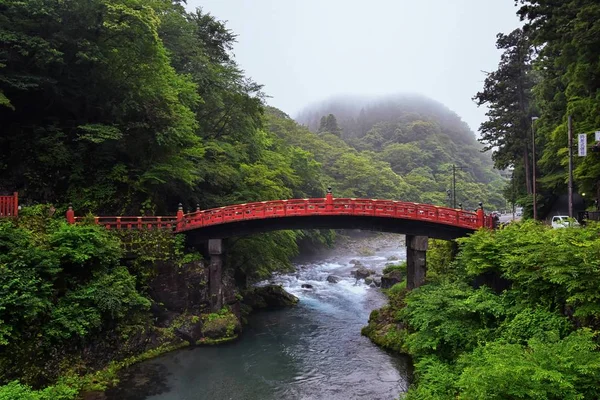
(508, 94)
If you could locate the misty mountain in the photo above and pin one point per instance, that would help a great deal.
(411, 159)
(408, 131)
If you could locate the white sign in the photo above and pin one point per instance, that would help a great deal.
(597, 136)
(582, 145)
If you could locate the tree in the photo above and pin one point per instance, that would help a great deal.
(329, 124)
(507, 93)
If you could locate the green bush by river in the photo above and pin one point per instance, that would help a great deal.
(514, 316)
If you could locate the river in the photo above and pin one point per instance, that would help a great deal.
(312, 351)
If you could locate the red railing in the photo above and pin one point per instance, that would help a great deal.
(127, 222)
(9, 205)
(295, 208)
(330, 206)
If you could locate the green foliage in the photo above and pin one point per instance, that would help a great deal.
(553, 267)
(60, 285)
(258, 256)
(565, 369)
(16, 391)
(466, 319)
(537, 339)
(530, 323)
(436, 380)
(440, 254)
(395, 267)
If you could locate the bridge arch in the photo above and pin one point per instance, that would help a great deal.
(417, 221)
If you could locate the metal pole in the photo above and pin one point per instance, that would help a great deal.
(513, 197)
(533, 165)
(570, 137)
(453, 185)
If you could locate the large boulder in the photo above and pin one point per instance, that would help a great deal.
(377, 281)
(188, 328)
(390, 279)
(221, 326)
(180, 288)
(270, 296)
(333, 279)
(362, 273)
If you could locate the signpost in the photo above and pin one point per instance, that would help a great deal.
(582, 145)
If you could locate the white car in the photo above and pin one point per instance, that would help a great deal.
(563, 221)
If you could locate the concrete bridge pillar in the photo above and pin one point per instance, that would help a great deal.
(416, 260)
(215, 250)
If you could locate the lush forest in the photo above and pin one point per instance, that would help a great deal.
(130, 107)
(133, 106)
(549, 69)
(419, 139)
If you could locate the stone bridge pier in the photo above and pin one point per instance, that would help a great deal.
(215, 275)
(416, 266)
(416, 260)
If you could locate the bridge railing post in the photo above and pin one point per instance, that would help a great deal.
(179, 222)
(16, 204)
(329, 200)
(70, 215)
(480, 216)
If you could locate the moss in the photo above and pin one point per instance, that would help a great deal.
(218, 326)
(101, 380)
(395, 267)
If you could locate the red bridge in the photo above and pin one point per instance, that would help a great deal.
(320, 213)
(417, 221)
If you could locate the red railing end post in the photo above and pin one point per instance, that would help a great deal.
(16, 204)
(480, 218)
(179, 216)
(70, 215)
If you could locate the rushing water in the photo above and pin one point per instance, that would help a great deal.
(313, 351)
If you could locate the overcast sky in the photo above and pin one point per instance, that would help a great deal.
(305, 51)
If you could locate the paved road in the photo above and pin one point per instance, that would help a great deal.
(508, 218)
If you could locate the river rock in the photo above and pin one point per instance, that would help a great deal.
(356, 262)
(333, 279)
(392, 258)
(270, 296)
(224, 326)
(368, 280)
(306, 286)
(390, 279)
(377, 281)
(190, 329)
(362, 273)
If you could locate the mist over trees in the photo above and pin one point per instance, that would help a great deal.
(419, 138)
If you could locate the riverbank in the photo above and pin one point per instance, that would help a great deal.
(514, 316)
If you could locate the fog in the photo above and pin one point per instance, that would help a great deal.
(307, 51)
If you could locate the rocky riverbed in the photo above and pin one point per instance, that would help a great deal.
(313, 350)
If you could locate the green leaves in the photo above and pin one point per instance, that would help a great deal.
(565, 369)
(537, 339)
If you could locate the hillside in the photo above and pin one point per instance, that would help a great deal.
(418, 139)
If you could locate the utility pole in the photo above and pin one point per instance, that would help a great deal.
(454, 168)
(570, 135)
(533, 178)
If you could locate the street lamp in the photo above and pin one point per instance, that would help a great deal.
(533, 119)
